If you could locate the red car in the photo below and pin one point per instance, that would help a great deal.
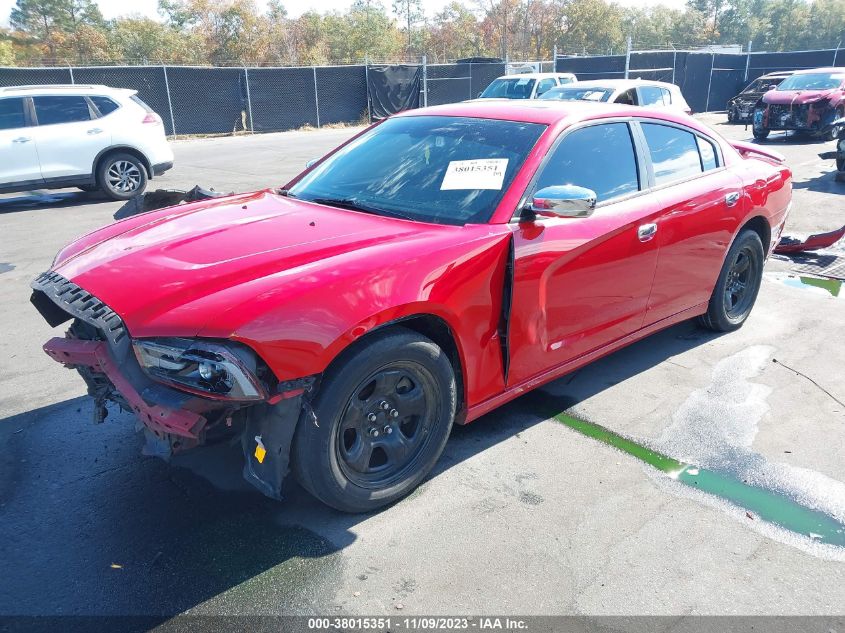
(433, 267)
(806, 101)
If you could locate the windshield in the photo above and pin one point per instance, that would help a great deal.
(761, 85)
(579, 94)
(811, 81)
(447, 170)
(515, 88)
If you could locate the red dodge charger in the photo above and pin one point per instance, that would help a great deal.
(435, 266)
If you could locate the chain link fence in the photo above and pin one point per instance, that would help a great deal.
(225, 100)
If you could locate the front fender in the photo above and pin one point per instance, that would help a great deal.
(301, 326)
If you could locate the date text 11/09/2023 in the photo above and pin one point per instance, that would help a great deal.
(417, 623)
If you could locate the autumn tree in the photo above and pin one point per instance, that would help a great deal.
(410, 13)
(51, 23)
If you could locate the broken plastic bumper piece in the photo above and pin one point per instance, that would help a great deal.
(96, 356)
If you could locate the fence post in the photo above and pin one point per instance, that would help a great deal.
(249, 101)
(627, 56)
(169, 101)
(554, 58)
(367, 82)
(709, 82)
(425, 81)
(470, 80)
(316, 96)
(70, 68)
(748, 61)
(836, 52)
(674, 62)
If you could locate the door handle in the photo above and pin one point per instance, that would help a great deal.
(95, 130)
(646, 232)
(21, 139)
(732, 198)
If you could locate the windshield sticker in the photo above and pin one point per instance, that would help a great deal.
(482, 173)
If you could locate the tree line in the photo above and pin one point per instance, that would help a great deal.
(235, 32)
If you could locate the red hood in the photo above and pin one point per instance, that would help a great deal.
(797, 97)
(170, 259)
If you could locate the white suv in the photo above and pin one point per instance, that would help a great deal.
(91, 137)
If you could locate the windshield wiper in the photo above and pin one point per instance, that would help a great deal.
(353, 205)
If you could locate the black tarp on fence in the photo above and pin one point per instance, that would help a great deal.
(196, 100)
(393, 89)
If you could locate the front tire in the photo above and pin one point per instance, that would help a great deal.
(384, 415)
(738, 284)
(122, 176)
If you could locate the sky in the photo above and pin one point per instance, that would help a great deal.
(115, 8)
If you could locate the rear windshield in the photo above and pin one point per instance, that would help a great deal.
(137, 100)
(573, 93)
(812, 81)
(515, 88)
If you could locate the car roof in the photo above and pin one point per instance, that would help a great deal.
(52, 89)
(828, 69)
(616, 84)
(549, 111)
(781, 73)
(533, 75)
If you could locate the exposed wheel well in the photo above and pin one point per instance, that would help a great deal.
(123, 150)
(437, 330)
(760, 226)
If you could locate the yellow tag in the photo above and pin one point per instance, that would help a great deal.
(260, 451)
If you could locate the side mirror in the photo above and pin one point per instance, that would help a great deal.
(771, 87)
(564, 201)
(311, 162)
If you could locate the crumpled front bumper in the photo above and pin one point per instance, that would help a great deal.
(173, 420)
(96, 356)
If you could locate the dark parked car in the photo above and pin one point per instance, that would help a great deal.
(741, 107)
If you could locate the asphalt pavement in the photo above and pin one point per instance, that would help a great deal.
(523, 515)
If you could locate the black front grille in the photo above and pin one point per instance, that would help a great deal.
(58, 299)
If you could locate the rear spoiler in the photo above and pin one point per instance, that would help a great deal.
(747, 149)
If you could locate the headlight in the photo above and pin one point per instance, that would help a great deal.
(211, 369)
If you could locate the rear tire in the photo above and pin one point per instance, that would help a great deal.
(122, 176)
(737, 286)
(384, 415)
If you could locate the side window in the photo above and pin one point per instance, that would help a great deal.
(61, 109)
(598, 157)
(564, 80)
(11, 114)
(708, 154)
(545, 85)
(653, 95)
(629, 97)
(674, 152)
(104, 105)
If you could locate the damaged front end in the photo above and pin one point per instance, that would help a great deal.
(814, 117)
(183, 392)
